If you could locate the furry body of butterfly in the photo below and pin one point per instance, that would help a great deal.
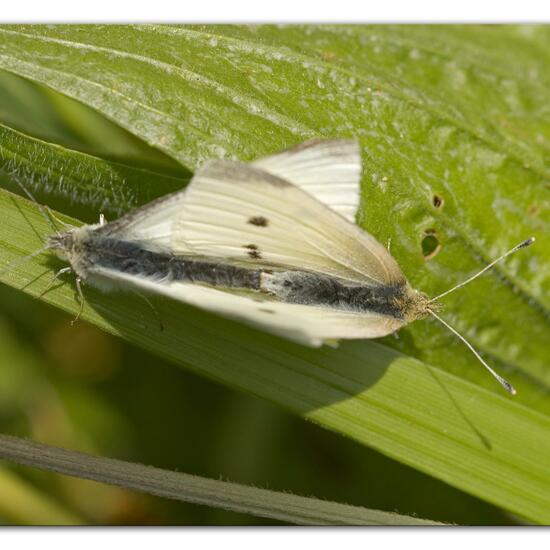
(88, 253)
(272, 244)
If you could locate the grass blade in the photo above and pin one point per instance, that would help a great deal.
(199, 490)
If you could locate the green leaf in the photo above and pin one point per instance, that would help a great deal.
(44, 113)
(54, 172)
(455, 135)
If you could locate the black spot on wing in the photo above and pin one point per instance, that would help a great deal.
(265, 310)
(259, 221)
(253, 251)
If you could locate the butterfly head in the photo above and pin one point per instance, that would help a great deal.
(62, 244)
(419, 305)
(71, 246)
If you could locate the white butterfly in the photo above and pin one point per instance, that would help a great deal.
(272, 244)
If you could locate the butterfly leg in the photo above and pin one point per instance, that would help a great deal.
(81, 300)
(54, 278)
(150, 304)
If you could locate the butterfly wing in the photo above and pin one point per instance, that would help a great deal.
(307, 325)
(243, 213)
(327, 169)
(238, 212)
(150, 224)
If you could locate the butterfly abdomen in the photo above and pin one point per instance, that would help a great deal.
(294, 286)
(132, 258)
(308, 288)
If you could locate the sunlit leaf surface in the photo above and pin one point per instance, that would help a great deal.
(455, 134)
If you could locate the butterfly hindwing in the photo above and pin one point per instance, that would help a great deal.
(311, 326)
(150, 224)
(327, 169)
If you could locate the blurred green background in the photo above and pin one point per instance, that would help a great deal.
(80, 388)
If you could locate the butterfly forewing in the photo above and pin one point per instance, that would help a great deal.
(328, 170)
(235, 211)
(151, 224)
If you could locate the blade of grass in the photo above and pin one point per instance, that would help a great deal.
(481, 442)
(198, 490)
(52, 171)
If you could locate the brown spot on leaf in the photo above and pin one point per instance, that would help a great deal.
(533, 211)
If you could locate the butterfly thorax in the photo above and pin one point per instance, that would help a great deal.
(72, 246)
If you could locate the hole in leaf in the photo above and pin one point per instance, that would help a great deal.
(430, 244)
(437, 201)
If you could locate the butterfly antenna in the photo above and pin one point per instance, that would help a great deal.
(505, 384)
(522, 244)
(45, 211)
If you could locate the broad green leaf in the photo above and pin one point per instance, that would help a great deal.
(455, 132)
(199, 490)
(431, 123)
(46, 114)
